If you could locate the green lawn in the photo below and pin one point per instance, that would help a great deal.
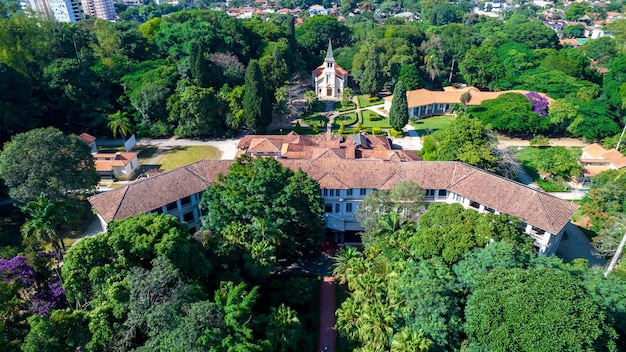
(337, 106)
(319, 106)
(181, 156)
(364, 102)
(347, 119)
(431, 124)
(368, 115)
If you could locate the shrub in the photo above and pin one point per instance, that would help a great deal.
(357, 128)
(315, 130)
(342, 128)
(372, 99)
(376, 131)
(297, 128)
(375, 117)
(396, 133)
(539, 141)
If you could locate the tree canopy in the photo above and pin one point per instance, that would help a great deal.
(261, 188)
(46, 161)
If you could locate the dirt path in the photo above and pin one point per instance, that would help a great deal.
(505, 142)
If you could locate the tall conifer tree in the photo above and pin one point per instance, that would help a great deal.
(257, 109)
(399, 113)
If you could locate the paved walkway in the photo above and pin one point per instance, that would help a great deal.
(327, 315)
(505, 142)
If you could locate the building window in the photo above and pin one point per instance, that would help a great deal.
(458, 198)
(474, 205)
(188, 217)
(337, 208)
(185, 201)
(348, 207)
(171, 207)
(332, 192)
(325, 192)
(349, 192)
(338, 193)
(328, 208)
(489, 210)
(363, 191)
(443, 193)
(430, 193)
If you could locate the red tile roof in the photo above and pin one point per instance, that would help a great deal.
(86, 138)
(534, 207)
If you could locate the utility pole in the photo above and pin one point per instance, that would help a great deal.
(620, 137)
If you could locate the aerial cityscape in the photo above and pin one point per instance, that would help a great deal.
(290, 175)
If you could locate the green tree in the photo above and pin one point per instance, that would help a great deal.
(346, 97)
(405, 199)
(480, 67)
(499, 317)
(399, 114)
(46, 161)
(284, 330)
(449, 231)
(257, 109)
(575, 31)
(120, 122)
(601, 50)
(196, 112)
(510, 112)
(45, 217)
(575, 11)
(64, 330)
(262, 188)
(310, 98)
(431, 305)
(465, 140)
(371, 80)
(409, 75)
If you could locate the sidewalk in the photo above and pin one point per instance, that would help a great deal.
(327, 315)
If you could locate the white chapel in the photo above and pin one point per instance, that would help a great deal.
(329, 79)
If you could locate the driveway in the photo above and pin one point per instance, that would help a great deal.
(577, 245)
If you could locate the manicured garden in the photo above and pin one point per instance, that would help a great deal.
(337, 106)
(372, 119)
(347, 119)
(366, 100)
(315, 120)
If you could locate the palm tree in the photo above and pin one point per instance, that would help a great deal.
(120, 122)
(284, 329)
(309, 99)
(433, 65)
(343, 261)
(264, 229)
(410, 341)
(45, 217)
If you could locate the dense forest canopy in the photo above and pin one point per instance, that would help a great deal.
(184, 73)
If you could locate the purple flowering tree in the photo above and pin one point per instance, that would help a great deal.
(43, 291)
(539, 102)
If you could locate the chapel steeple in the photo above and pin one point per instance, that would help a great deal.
(329, 53)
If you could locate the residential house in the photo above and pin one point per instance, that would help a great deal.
(423, 102)
(90, 141)
(120, 165)
(317, 10)
(344, 184)
(329, 79)
(596, 159)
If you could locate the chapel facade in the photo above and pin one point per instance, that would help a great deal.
(329, 79)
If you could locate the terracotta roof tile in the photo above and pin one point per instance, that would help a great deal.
(595, 150)
(617, 159)
(535, 207)
(86, 138)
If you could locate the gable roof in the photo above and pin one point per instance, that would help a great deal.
(87, 138)
(534, 207)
